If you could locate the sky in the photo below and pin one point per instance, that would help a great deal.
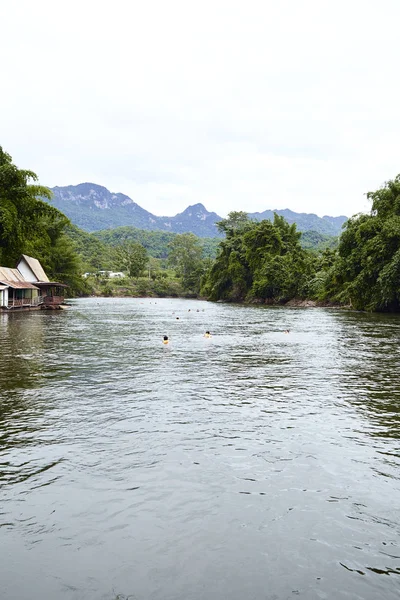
(240, 105)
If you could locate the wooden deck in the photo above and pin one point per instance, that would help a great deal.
(39, 301)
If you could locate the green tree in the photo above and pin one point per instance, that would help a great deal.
(131, 257)
(22, 220)
(278, 262)
(230, 276)
(30, 226)
(320, 283)
(237, 221)
(185, 255)
(260, 260)
(366, 273)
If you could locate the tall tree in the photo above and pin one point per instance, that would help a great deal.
(30, 226)
(185, 255)
(367, 271)
(21, 213)
(258, 260)
(237, 221)
(131, 257)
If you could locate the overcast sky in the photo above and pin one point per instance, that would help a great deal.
(240, 105)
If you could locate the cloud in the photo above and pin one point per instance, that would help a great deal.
(249, 106)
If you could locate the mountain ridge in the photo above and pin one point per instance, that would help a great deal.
(93, 207)
(305, 221)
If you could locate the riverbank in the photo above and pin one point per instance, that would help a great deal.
(169, 287)
(141, 287)
(294, 302)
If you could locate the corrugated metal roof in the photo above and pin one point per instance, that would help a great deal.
(36, 267)
(13, 277)
(7, 274)
(20, 285)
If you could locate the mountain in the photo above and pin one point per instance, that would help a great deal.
(93, 207)
(195, 219)
(305, 221)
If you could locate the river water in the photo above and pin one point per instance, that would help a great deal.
(256, 464)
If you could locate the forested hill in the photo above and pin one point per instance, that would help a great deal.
(96, 249)
(93, 207)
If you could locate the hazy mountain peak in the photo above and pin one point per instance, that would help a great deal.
(93, 207)
(197, 210)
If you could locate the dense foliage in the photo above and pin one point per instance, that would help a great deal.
(95, 255)
(312, 240)
(266, 261)
(186, 254)
(157, 243)
(131, 258)
(366, 270)
(31, 226)
(259, 260)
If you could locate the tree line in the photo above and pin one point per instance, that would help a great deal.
(255, 261)
(265, 261)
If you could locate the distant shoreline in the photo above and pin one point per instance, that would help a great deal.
(293, 303)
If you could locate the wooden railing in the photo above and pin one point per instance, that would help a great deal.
(46, 300)
(19, 302)
(15, 302)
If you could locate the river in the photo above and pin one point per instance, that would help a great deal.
(255, 465)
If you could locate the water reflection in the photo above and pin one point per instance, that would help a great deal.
(21, 337)
(371, 356)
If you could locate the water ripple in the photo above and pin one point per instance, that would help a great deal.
(251, 463)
